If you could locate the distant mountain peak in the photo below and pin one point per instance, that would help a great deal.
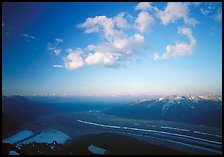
(211, 97)
(172, 98)
(141, 100)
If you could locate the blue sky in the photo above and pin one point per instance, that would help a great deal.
(91, 49)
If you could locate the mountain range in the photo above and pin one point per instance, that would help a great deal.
(204, 110)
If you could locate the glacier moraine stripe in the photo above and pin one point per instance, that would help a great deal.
(181, 143)
(152, 131)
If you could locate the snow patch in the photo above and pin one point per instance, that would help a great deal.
(48, 136)
(161, 98)
(96, 150)
(18, 137)
(165, 107)
(12, 152)
(170, 101)
(52, 147)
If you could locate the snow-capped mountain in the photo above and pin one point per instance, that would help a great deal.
(205, 110)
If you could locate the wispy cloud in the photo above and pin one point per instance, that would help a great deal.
(5, 29)
(58, 41)
(58, 66)
(204, 11)
(54, 47)
(28, 36)
(211, 10)
(175, 11)
(207, 8)
(218, 16)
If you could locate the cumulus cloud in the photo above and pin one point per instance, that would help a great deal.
(120, 21)
(27, 36)
(54, 47)
(101, 58)
(143, 21)
(74, 59)
(100, 24)
(175, 11)
(144, 6)
(58, 66)
(110, 53)
(121, 38)
(179, 49)
(116, 44)
(104, 26)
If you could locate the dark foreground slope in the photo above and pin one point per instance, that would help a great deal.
(117, 144)
(17, 110)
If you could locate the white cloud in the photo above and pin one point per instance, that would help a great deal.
(90, 47)
(116, 44)
(103, 53)
(110, 53)
(101, 58)
(175, 11)
(100, 24)
(3, 24)
(143, 21)
(144, 6)
(129, 45)
(74, 59)
(120, 21)
(119, 40)
(53, 47)
(179, 49)
(58, 66)
(27, 36)
(156, 56)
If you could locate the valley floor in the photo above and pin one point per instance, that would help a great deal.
(185, 138)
